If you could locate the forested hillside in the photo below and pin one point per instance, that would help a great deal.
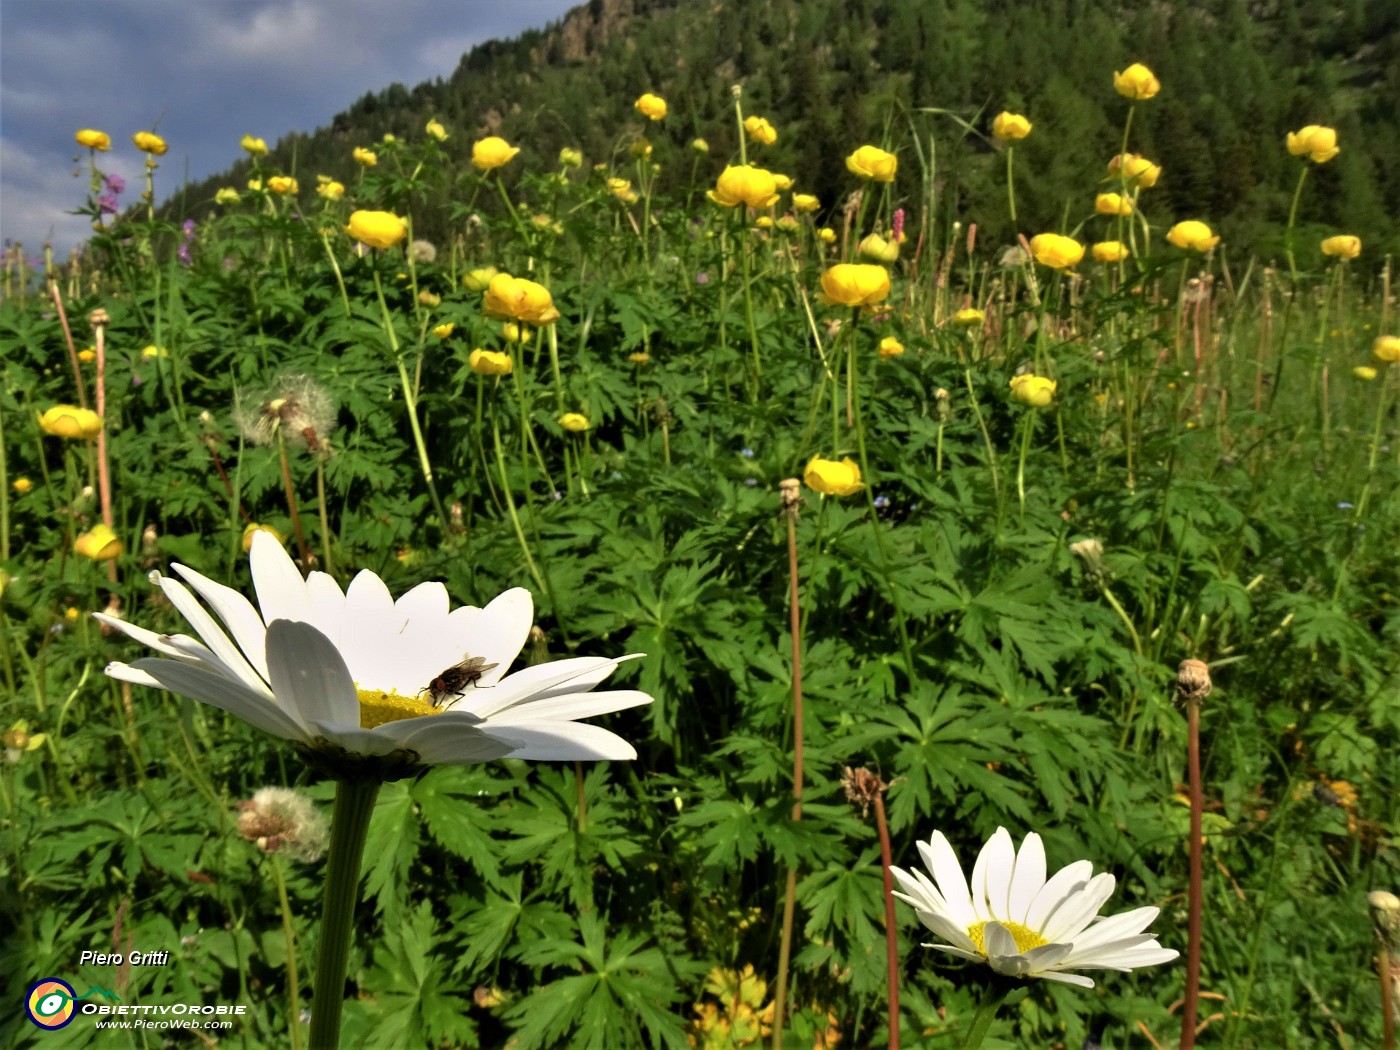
(832, 74)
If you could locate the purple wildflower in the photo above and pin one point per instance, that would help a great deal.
(107, 204)
(115, 184)
(183, 254)
(188, 227)
(702, 278)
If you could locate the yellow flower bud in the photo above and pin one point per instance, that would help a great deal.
(1008, 126)
(890, 347)
(365, 158)
(69, 421)
(254, 146)
(21, 485)
(877, 249)
(743, 184)
(1136, 171)
(489, 362)
(652, 106)
(805, 202)
(1343, 246)
(573, 421)
(832, 477)
(1136, 82)
(1193, 234)
(969, 317)
(149, 142)
(871, 162)
(99, 543)
(253, 527)
(478, 279)
(1033, 390)
(436, 130)
(1056, 250)
(855, 284)
(827, 235)
(571, 158)
(1110, 251)
(759, 130)
(378, 229)
(764, 222)
(513, 333)
(94, 139)
(492, 152)
(227, 195)
(1317, 143)
(1364, 372)
(442, 331)
(1113, 204)
(282, 184)
(331, 190)
(700, 145)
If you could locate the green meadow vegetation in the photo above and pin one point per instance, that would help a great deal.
(915, 526)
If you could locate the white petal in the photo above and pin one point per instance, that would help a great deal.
(177, 645)
(1068, 921)
(496, 633)
(280, 589)
(427, 601)
(565, 741)
(570, 706)
(1027, 879)
(354, 738)
(444, 740)
(972, 956)
(308, 675)
(327, 602)
(991, 876)
(1116, 927)
(370, 637)
(943, 865)
(1063, 884)
(1065, 978)
(227, 694)
(532, 682)
(237, 614)
(228, 654)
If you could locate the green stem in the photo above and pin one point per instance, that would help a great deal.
(289, 936)
(354, 805)
(982, 1021)
(1292, 217)
(1010, 184)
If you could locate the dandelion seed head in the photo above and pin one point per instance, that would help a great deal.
(296, 406)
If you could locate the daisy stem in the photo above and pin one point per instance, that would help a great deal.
(354, 805)
(1194, 903)
(293, 979)
(891, 931)
(982, 1020)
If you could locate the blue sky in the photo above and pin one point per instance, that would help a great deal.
(202, 73)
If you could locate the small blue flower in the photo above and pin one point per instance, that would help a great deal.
(747, 453)
(1344, 505)
(881, 502)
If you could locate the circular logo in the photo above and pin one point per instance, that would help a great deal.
(49, 1003)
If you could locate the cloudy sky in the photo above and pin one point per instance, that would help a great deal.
(203, 73)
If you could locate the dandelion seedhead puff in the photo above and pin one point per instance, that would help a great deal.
(296, 406)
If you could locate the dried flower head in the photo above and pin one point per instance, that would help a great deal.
(423, 251)
(279, 820)
(1193, 680)
(297, 408)
(862, 788)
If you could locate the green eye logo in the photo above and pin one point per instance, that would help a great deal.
(49, 1003)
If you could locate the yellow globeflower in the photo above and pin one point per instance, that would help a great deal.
(619, 188)
(1008, 126)
(649, 105)
(764, 222)
(1113, 204)
(477, 280)
(855, 284)
(805, 202)
(490, 153)
(1193, 234)
(252, 529)
(1136, 82)
(227, 195)
(21, 485)
(571, 158)
(442, 331)
(1056, 250)
(782, 182)
(489, 363)
(331, 190)
(152, 351)
(1110, 251)
(1033, 390)
(833, 478)
(1138, 172)
(516, 299)
(87, 355)
(365, 158)
(744, 184)
(759, 130)
(700, 145)
(436, 130)
(69, 421)
(1387, 349)
(827, 235)
(1343, 246)
(573, 421)
(282, 184)
(94, 139)
(378, 229)
(890, 347)
(99, 543)
(149, 142)
(1365, 372)
(1317, 143)
(254, 146)
(871, 162)
(969, 317)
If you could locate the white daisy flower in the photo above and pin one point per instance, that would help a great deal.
(1021, 924)
(357, 676)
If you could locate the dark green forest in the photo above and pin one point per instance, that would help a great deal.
(832, 74)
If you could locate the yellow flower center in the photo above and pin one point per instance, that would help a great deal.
(1024, 936)
(378, 707)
